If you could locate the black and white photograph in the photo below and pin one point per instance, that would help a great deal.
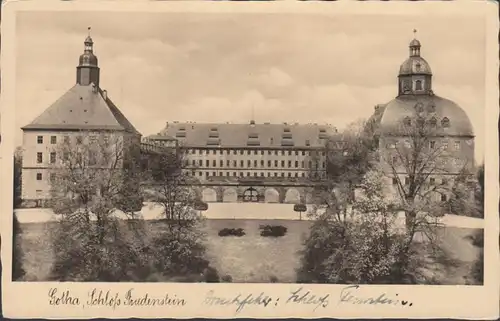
(248, 148)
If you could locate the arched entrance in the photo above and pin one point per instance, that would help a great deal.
(230, 195)
(292, 196)
(209, 195)
(271, 195)
(250, 195)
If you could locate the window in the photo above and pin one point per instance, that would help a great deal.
(200, 162)
(296, 174)
(432, 144)
(207, 162)
(52, 177)
(200, 174)
(221, 173)
(39, 158)
(193, 162)
(275, 174)
(302, 164)
(234, 152)
(262, 163)
(289, 153)
(268, 152)
(433, 122)
(262, 152)
(310, 164)
(242, 164)
(268, 174)
(254, 163)
(214, 173)
(275, 163)
(445, 122)
(65, 156)
(303, 153)
(255, 174)
(407, 181)
(234, 174)
(445, 144)
(275, 152)
(66, 139)
(249, 152)
(249, 163)
(241, 152)
(394, 160)
(282, 163)
(324, 165)
(79, 139)
(303, 174)
(444, 181)
(53, 158)
(418, 85)
(268, 163)
(394, 181)
(457, 145)
(443, 198)
(407, 144)
(282, 174)
(39, 139)
(235, 163)
(221, 152)
(221, 163)
(38, 176)
(289, 164)
(255, 152)
(407, 121)
(282, 153)
(296, 163)
(261, 174)
(53, 140)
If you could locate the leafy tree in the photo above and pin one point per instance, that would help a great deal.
(95, 179)
(178, 244)
(17, 252)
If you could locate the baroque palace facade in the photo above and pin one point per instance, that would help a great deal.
(254, 162)
(251, 162)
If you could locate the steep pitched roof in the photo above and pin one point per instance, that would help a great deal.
(85, 108)
(249, 135)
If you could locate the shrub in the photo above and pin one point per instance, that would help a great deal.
(227, 278)
(17, 252)
(272, 230)
(83, 252)
(273, 279)
(231, 232)
(211, 275)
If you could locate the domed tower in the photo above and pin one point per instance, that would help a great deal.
(87, 71)
(448, 127)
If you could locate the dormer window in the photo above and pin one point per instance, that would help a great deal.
(286, 130)
(445, 122)
(433, 122)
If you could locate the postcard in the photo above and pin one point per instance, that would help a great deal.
(249, 159)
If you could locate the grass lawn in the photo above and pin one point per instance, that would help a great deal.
(253, 258)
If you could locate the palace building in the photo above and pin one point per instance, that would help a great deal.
(452, 139)
(84, 112)
(264, 160)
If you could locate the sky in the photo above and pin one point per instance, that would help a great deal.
(232, 67)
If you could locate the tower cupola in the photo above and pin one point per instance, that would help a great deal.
(415, 75)
(87, 71)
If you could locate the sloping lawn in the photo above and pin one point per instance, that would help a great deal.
(253, 258)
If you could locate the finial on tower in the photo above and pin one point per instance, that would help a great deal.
(89, 30)
(414, 33)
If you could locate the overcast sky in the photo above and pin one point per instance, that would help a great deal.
(214, 67)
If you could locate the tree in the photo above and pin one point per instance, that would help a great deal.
(95, 179)
(358, 246)
(178, 244)
(18, 164)
(17, 252)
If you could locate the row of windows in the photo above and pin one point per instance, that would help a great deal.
(432, 145)
(262, 163)
(255, 174)
(445, 122)
(39, 176)
(92, 159)
(52, 158)
(432, 181)
(249, 152)
(66, 139)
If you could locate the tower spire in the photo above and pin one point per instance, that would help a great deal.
(88, 67)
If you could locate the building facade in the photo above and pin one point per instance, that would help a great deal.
(251, 162)
(450, 142)
(82, 115)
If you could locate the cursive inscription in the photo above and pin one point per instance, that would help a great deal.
(353, 295)
(240, 300)
(57, 297)
(301, 296)
(133, 299)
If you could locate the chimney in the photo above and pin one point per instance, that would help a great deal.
(105, 94)
(94, 88)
